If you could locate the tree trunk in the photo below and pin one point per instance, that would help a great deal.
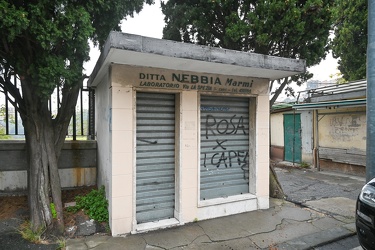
(43, 181)
(45, 137)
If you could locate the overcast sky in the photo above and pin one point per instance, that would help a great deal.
(150, 22)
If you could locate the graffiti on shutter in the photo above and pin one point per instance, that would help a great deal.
(224, 136)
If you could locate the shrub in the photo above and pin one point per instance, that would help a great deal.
(94, 204)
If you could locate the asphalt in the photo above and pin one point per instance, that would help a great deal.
(319, 209)
(11, 239)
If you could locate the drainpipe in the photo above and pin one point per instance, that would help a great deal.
(316, 139)
(294, 135)
(370, 142)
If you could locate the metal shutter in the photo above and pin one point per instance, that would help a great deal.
(224, 162)
(155, 157)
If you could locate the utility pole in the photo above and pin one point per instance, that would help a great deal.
(370, 110)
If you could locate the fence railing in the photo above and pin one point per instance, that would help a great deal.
(82, 124)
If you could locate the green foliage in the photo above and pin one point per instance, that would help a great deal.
(291, 28)
(3, 136)
(11, 118)
(94, 204)
(350, 41)
(13, 19)
(11, 115)
(53, 210)
(46, 42)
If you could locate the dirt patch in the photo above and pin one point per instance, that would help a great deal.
(17, 206)
(10, 206)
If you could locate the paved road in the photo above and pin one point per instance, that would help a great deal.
(10, 239)
(306, 187)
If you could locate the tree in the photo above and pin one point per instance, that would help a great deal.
(349, 44)
(45, 43)
(292, 28)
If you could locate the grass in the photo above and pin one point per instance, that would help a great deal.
(37, 237)
(61, 243)
(304, 165)
(29, 235)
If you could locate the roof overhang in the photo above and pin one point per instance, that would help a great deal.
(330, 105)
(122, 48)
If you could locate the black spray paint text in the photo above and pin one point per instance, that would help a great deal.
(224, 126)
(224, 156)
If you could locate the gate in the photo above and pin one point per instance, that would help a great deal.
(292, 138)
(155, 157)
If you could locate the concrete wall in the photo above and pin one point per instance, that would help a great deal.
(343, 128)
(77, 165)
(102, 125)
(342, 139)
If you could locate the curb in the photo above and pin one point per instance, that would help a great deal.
(317, 239)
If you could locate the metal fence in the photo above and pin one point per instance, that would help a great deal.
(82, 124)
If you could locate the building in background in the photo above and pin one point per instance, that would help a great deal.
(327, 131)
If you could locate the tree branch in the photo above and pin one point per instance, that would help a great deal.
(64, 114)
(279, 90)
(9, 87)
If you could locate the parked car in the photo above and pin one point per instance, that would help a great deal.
(365, 216)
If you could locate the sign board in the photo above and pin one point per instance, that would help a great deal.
(157, 78)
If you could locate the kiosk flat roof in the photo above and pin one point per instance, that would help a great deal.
(123, 48)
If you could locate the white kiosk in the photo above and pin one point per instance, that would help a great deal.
(182, 130)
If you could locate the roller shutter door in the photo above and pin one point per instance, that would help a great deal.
(155, 157)
(224, 137)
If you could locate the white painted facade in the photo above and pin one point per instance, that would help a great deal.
(117, 79)
(277, 129)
